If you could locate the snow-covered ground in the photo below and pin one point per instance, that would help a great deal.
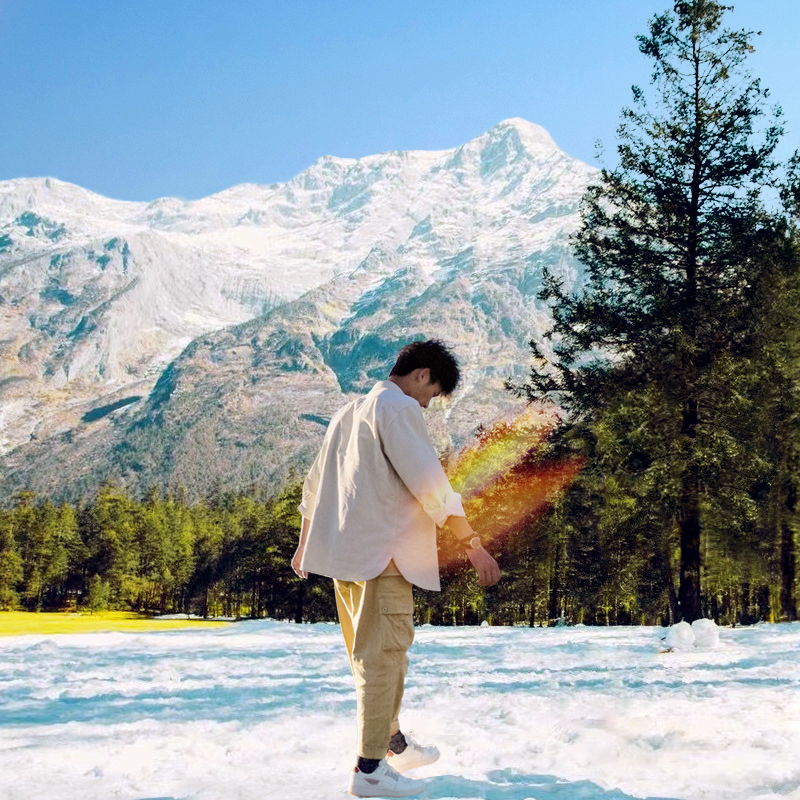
(266, 710)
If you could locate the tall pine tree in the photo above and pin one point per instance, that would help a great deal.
(672, 242)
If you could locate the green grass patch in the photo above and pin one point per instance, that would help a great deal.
(21, 623)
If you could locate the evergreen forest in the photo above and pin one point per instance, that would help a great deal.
(587, 557)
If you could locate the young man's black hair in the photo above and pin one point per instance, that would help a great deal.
(433, 355)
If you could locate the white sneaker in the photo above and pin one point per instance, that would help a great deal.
(415, 755)
(384, 782)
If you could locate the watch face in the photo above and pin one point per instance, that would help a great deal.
(474, 542)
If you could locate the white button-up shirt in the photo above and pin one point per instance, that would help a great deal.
(376, 493)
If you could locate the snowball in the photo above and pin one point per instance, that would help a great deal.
(706, 633)
(680, 636)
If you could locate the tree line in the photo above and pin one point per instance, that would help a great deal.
(228, 555)
(585, 557)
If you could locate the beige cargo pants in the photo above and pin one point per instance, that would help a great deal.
(377, 619)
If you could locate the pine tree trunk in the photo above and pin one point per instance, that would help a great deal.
(689, 591)
(300, 598)
(788, 561)
(555, 588)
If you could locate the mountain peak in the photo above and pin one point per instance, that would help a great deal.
(532, 136)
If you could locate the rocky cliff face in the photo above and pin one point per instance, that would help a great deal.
(206, 343)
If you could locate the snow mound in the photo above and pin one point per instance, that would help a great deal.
(706, 633)
(680, 637)
(702, 633)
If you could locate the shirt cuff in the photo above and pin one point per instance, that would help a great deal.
(306, 507)
(439, 510)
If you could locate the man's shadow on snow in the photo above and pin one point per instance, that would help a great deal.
(513, 785)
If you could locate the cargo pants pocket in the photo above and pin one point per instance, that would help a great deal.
(397, 613)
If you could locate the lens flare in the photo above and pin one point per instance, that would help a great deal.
(499, 480)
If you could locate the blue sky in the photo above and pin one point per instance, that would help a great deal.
(138, 99)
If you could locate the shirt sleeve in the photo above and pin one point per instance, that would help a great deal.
(311, 484)
(407, 444)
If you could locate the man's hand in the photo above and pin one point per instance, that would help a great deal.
(301, 546)
(485, 566)
(298, 555)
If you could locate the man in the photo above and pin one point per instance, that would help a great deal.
(371, 504)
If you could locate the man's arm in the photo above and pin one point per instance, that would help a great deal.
(301, 546)
(408, 446)
(307, 505)
(485, 565)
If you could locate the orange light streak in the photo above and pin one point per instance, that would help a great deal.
(499, 485)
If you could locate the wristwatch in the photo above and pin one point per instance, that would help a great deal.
(471, 544)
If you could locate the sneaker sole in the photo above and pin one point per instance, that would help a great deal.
(388, 794)
(423, 762)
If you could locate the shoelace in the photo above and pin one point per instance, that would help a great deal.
(412, 742)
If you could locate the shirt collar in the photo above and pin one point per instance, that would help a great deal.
(388, 385)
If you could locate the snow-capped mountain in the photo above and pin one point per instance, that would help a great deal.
(206, 341)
